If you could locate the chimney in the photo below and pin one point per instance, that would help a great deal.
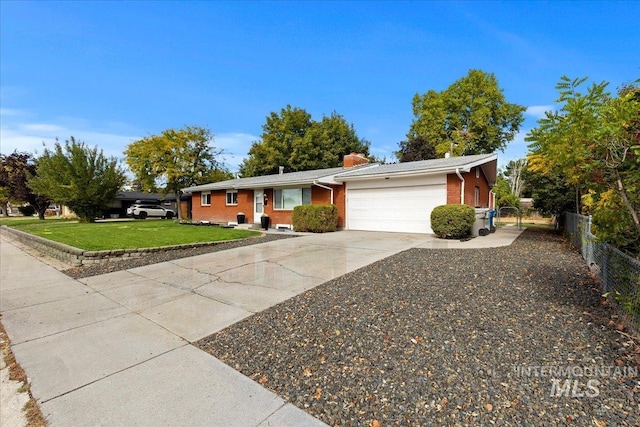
(281, 169)
(354, 159)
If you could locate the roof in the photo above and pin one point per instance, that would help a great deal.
(367, 171)
(450, 164)
(275, 180)
(138, 195)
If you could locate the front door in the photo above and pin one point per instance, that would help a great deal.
(258, 205)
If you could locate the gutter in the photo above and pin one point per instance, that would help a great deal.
(461, 187)
(325, 187)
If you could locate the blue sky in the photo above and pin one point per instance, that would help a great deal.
(111, 72)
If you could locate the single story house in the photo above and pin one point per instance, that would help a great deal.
(395, 197)
(123, 199)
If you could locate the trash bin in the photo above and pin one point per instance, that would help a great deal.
(492, 215)
(241, 217)
(264, 221)
(480, 226)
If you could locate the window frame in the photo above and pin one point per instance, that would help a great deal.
(477, 196)
(202, 198)
(278, 202)
(234, 198)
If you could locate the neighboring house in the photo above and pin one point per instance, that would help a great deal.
(123, 199)
(396, 197)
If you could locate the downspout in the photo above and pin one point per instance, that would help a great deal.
(461, 186)
(325, 187)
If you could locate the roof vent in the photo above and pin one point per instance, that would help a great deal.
(280, 170)
(447, 155)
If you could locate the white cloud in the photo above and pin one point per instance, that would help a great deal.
(538, 111)
(19, 133)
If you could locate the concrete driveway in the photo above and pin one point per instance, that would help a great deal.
(115, 349)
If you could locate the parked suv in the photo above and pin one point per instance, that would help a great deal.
(143, 211)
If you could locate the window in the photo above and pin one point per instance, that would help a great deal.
(478, 172)
(288, 198)
(477, 197)
(205, 198)
(232, 197)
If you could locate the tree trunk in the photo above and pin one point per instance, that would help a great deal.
(41, 212)
(178, 206)
(623, 194)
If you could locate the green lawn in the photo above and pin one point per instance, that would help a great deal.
(124, 235)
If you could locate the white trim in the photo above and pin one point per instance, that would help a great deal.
(226, 197)
(202, 194)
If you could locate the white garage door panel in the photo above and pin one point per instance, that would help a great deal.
(399, 209)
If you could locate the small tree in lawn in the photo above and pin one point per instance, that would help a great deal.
(175, 159)
(77, 176)
(15, 171)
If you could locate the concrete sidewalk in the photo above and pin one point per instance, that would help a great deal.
(115, 348)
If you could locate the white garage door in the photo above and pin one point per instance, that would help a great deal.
(399, 209)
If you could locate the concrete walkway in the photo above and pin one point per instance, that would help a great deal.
(115, 349)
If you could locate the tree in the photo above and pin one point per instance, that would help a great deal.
(175, 159)
(504, 196)
(513, 173)
(415, 149)
(77, 176)
(549, 192)
(15, 171)
(590, 143)
(471, 116)
(293, 140)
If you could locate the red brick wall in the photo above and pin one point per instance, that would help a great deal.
(470, 183)
(318, 196)
(219, 212)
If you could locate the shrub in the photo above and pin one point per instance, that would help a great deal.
(452, 221)
(27, 210)
(315, 218)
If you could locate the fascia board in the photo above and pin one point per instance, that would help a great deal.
(403, 174)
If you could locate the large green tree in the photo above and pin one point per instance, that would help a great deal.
(471, 116)
(175, 159)
(590, 142)
(77, 176)
(294, 140)
(549, 191)
(15, 171)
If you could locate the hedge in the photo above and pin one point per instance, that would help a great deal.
(315, 218)
(452, 221)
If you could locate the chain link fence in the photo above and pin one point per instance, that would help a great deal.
(618, 272)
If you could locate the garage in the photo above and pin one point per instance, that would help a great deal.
(393, 206)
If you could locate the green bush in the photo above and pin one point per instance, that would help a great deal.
(315, 218)
(452, 221)
(27, 210)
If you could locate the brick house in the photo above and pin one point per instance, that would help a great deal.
(397, 197)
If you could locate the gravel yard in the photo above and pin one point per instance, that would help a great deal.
(447, 337)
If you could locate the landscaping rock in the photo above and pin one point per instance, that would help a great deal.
(445, 337)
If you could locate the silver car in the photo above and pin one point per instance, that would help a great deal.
(143, 211)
